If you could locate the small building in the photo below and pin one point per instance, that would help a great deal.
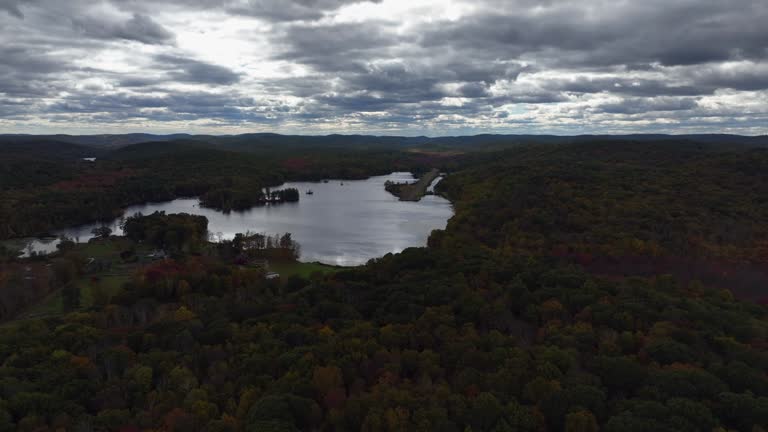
(157, 255)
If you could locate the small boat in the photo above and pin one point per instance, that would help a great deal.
(309, 192)
(325, 181)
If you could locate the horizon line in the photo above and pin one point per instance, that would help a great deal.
(387, 136)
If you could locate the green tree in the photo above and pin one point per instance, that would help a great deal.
(102, 232)
(581, 421)
(70, 295)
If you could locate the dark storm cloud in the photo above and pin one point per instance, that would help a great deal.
(746, 76)
(267, 10)
(473, 90)
(60, 16)
(288, 10)
(631, 87)
(373, 68)
(469, 70)
(11, 108)
(541, 97)
(396, 80)
(12, 7)
(137, 81)
(26, 60)
(514, 35)
(139, 27)
(635, 105)
(25, 72)
(194, 71)
(358, 103)
(672, 33)
(172, 106)
(334, 47)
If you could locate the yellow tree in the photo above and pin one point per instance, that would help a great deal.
(581, 421)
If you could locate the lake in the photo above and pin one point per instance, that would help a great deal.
(344, 222)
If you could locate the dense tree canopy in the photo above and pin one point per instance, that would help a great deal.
(174, 232)
(534, 310)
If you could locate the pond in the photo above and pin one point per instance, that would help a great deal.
(343, 222)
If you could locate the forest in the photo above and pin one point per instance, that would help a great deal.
(580, 286)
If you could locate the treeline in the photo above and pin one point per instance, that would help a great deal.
(245, 247)
(226, 199)
(395, 188)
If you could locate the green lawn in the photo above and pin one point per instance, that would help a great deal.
(111, 281)
(51, 304)
(104, 249)
(111, 284)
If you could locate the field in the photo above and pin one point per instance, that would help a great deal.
(304, 270)
(107, 282)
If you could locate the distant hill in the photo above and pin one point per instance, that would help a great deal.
(156, 149)
(103, 141)
(276, 141)
(19, 148)
(261, 141)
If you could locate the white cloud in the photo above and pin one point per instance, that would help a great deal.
(393, 66)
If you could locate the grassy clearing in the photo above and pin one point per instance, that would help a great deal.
(110, 285)
(304, 270)
(109, 281)
(51, 304)
(104, 249)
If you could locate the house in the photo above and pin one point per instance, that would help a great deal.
(157, 255)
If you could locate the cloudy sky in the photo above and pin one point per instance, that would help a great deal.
(435, 67)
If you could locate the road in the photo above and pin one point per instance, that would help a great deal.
(415, 191)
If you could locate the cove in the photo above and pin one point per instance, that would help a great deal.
(343, 222)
